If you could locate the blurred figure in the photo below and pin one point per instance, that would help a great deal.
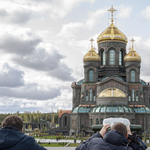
(12, 138)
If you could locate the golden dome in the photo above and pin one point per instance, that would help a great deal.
(132, 56)
(112, 33)
(91, 55)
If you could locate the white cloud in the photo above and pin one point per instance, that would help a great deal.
(124, 12)
(146, 13)
(94, 16)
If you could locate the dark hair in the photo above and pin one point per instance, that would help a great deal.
(120, 127)
(13, 121)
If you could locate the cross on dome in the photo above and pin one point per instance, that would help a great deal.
(132, 40)
(91, 42)
(112, 10)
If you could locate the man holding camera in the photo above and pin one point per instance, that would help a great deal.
(116, 139)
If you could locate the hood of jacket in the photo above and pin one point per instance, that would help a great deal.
(116, 138)
(10, 136)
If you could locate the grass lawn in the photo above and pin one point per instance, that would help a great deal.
(74, 144)
(53, 144)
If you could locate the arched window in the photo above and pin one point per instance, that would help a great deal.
(93, 95)
(103, 57)
(111, 57)
(91, 75)
(65, 119)
(86, 95)
(129, 96)
(132, 94)
(120, 57)
(90, 94)
(136, 95)
(132, 76)
(97, 121)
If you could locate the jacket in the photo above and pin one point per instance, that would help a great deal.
(13, 139)
(113, 140)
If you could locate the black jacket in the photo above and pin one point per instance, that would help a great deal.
(13, 139)
(113, 140)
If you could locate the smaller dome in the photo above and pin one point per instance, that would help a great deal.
(132, 56)
(91, 55)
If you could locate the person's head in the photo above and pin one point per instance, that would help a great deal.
(120, 127)
(13, 121)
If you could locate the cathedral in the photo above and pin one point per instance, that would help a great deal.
(111, 86)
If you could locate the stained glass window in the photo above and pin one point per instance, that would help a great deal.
(91, 75)
(120, 57)
(129, 96)
(86, 95)
(132, 76)
(132, 94)
(112, 57)
(93, 95)
(90, 94)
(103, 58)
(136, 95)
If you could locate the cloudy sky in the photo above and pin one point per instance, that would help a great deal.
(42, 44)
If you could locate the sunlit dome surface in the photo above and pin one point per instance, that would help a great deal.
(111, 108)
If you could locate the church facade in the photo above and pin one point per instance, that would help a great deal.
(111, 86)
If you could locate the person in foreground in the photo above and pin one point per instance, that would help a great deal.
(12, 138)
(116, 139)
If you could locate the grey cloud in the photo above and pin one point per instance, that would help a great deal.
(12, 44)
(11, 76)
(49, 62)
(3, 13)
(21, 17)
(29, 91)
(40, 60)
(63, 73)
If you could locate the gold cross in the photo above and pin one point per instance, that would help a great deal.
(91, 42)
(132, 40)
(112, 10)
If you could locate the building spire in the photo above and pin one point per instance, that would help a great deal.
(112, 10)
(132, 40)
(91, 42)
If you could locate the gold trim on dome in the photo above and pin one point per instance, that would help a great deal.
(91, 55)
(132, 55)
(112, 92)
(112, 33)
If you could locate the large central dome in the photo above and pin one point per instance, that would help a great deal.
(112, 33)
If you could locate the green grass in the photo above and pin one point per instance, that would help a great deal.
(53, 144)
(74, 144)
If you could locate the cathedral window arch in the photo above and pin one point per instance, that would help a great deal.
(132, 75)
(112, 57)
(87, 95)
(91, 94)
(91, 75)
(103, 57)
(132, 94)
(129, 95)
(120, 57)
(136, 95)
